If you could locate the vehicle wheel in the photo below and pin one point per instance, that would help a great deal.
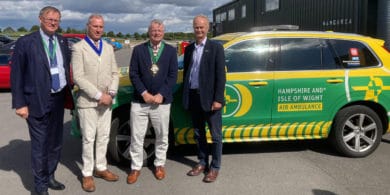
(119, 144)
(356, 131)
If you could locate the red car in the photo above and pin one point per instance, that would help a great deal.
(5, 70)
(73, 38)
(74, 35)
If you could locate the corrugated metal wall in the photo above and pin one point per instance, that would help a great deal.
(383, 27)
(336, 15)
(239, 23)
(356, 16)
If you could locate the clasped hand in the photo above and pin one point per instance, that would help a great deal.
(152, 99)
(106, 99)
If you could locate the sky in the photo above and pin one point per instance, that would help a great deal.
(125, 16)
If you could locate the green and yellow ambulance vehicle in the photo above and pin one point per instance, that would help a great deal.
(285, 85)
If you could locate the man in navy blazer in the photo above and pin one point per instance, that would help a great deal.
(40, 77)
(153, 73)
(203, 95)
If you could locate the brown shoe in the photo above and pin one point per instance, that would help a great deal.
(88, 184)
(133, 176)
(211, 176)
(196, 170)
(159, 172)
(106, 175)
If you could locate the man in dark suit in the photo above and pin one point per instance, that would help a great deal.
(203, 95)
(153, 73)
(40, 77)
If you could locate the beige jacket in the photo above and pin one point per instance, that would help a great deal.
(92, 73)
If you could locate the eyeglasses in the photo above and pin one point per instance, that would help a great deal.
(50, 20)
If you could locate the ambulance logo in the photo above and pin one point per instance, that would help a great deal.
(373, 89)
(238, 100)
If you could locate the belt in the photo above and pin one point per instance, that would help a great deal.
(58, 93)
(194, 91)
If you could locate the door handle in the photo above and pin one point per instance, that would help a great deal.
(258, 83)
(333, 81)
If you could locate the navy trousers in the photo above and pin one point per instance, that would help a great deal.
(214, 122)
(46, 134)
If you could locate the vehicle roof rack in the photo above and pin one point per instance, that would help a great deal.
(275, 27)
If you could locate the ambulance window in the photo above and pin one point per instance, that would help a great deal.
(247, 56)
(353, 54)
(329, 60)
(300, 54)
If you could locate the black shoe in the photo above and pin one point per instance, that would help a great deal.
(42, 193)
(55, 185)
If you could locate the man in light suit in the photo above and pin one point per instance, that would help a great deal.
(96, 74)
(203, 95)
(40, 78)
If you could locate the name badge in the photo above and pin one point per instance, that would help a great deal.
(54, 70)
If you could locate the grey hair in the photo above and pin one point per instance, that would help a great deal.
(203, 17)
(155, 21)
(92, 16)
(48, 9)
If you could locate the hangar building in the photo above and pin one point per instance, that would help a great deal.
(367, 17)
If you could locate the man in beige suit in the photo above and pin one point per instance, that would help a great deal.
(95, 72)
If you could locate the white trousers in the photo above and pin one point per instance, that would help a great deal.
(95, 125)
(140, 117)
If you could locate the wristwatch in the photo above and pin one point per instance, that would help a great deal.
(112, 94)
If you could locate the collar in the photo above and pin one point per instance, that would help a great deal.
(93, 41)
(45, 36)
(158, 45)
(202, 43)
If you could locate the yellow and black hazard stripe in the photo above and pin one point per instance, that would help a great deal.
(262, 132)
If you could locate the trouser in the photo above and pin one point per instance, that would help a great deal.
(46, 134)
(95, 126)
(214, 121)
(140, 117)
